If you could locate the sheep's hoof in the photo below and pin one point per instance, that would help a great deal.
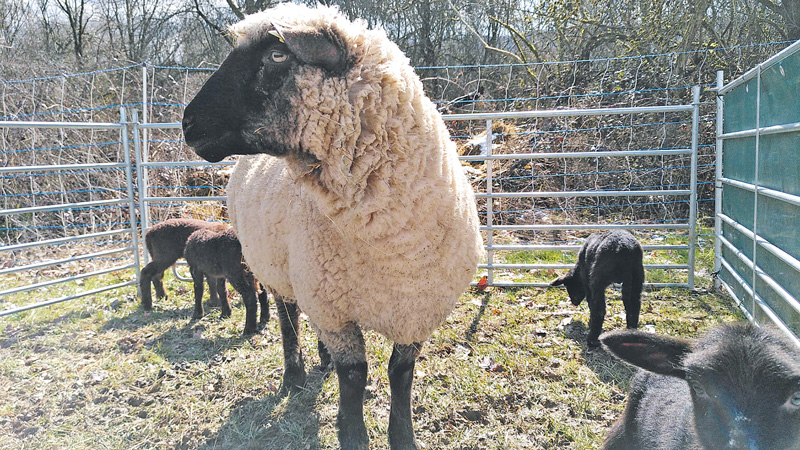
(593, 344)
(293, 382)
(250, 330)
(324, 368)
(197, 316)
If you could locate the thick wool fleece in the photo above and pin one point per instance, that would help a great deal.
(379, 228)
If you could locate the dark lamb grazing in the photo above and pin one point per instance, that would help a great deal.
(605, 258)
(738, 387)
(165, 243)
(217, 255)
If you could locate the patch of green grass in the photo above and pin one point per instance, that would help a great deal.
(508, 370)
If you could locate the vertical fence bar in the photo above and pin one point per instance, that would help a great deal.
(755, 191)
(489, 205)
(144, 151)
(693, 183)
(141, 180)
(126, 150)
(718, 182)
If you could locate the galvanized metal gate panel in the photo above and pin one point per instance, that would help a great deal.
(758, 190)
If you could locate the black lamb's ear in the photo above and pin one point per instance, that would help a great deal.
(314, 46)
(659, 354)
(558, 281)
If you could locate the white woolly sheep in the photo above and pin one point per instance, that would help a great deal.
(356, 209)
(611, 257)
(738, 387)
(217, 256)
(165, 243)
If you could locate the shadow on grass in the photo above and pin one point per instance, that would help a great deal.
(15, 332)
(189, 342)
(171, 332)
(473, 326)
(609, 369)
(275, 421)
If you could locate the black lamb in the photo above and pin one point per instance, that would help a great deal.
(165, 243)
(217, 255)
(610, 257)
(738, 387)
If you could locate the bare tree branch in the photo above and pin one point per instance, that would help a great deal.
(485, 44)
(221, 31)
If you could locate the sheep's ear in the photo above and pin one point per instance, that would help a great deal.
(564, 279)
(313, 46)
(659, 354)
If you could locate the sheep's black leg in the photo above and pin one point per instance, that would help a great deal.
(349, 357)
(294, 374)
(197, 277)
(151, 273)
(158, 284)
(401, 377)
(222, 297)
(248, 293)
(632, 299)
(263, 300)
(213, 290)
(597, 313)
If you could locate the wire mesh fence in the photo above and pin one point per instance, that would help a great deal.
(159, 93)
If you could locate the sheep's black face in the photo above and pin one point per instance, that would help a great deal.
(227, 116)
(574, 285)
(745, 400)
(744, 383)
(246, 105)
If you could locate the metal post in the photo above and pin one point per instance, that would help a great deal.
(755, 190)
(131, 199)
(141, 181)
(718, 182)
(693, 183)
(144, 143)
(489, 204)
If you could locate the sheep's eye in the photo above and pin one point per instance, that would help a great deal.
(278, 56)
(698, 389)
(795, 399)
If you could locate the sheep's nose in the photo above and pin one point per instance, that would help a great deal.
(190, 129)
(187, 123)
(740, 439)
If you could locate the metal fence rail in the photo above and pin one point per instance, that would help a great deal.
(128, 202)
(139, 199)
(490, 228)
(758, 191)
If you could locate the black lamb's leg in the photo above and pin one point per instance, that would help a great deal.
(197, 277)
(294, 374)
(597, 313)
(222, 297)
(151, 273)
(263, 300)
(246, 289)
(349, 357)
(158, 284)
(401, 377)
(324, 356)
(632, 299)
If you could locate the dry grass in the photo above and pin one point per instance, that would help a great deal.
(509, 370)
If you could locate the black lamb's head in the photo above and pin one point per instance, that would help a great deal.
(248, 105)
(574, 284)
(744, 382)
